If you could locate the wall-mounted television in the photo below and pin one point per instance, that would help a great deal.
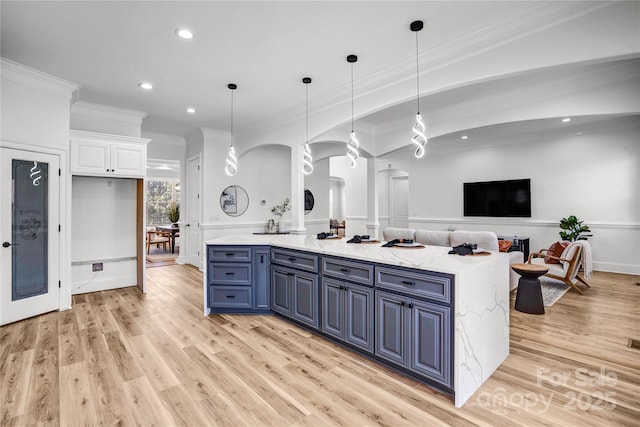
(498, 198)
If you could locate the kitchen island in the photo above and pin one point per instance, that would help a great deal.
(441, 318)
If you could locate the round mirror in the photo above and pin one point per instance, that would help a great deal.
(234, 200)
(309, 201)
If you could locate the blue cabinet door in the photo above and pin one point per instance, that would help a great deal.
(431, 341)
(332, 303)
(359, 316)
(281, 291)
(305, 298)
(391, 328)
(261, 278)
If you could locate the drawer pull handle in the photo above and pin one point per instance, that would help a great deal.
(230, 254)
(410, 305)
(229, 273)
(291, 259)
(345, 270)
(231, 296)
(407, 282)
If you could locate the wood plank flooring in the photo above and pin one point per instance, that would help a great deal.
(125, 358)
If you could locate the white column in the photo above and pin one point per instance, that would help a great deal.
(373, 225)
(297, 191)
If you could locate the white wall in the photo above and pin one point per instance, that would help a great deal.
(317, 220)
(593, 176)
(34, 115)
(355, 192)
(104, 230)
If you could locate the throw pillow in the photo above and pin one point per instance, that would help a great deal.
(504, 245)
(555, 249)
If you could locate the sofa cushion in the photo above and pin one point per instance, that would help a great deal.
(504, 245)
(433, 237)
(391, 233)
(487, 240)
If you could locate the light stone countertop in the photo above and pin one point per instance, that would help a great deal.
(432, 258)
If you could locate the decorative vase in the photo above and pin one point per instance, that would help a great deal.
(281, 226)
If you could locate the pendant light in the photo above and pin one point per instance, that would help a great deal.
(353, 144)
(232, 161)
(419, 128)
(307, 166)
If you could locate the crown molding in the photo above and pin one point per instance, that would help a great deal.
(519, 25)
(105, 137)
(31, 77)
(100, 111)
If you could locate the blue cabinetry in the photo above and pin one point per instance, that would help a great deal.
(238, 279)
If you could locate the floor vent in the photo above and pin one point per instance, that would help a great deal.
(635, 344)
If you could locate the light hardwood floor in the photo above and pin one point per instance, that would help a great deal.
(123, 358)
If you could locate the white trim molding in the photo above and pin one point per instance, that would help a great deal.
(31, 77)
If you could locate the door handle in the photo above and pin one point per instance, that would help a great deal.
(187, 225)
(7, 244)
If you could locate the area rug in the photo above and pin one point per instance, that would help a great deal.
(158, 255)
(552, 291)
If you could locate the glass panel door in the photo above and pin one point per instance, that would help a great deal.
(30, 229)
(29, 232)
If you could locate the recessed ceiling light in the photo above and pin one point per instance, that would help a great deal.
(184, 33)
(145, 85)
(464, 137)
(191, 110)
(566, 119)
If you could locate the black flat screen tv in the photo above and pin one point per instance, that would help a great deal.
(498, 198)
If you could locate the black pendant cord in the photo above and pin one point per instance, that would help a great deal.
(417, 76)
(352, 97)
(307, 111)
(231, 118)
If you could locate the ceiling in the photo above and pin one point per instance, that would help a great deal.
(266, 47)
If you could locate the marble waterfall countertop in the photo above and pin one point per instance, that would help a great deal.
(433, 258)
(480, 302)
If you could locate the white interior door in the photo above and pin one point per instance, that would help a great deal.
(400, 201)
(192, 227)
(29, 232)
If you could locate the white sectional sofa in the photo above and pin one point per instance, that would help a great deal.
(487, 240)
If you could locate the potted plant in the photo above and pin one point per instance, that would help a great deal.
(573, 229)
(279, 210)
(174, 213)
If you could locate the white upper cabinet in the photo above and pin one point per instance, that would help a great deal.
(100, 154)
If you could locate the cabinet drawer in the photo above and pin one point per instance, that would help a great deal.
(349, 270)
(229, 273)
(229, 254)
(229, 296)
(301, 260)
(432, 286)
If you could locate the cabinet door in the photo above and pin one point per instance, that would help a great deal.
(128, 160)
(333, 308)
(90, 157)
(281, 291)
(391, 330)
(305, 298)
(431, 341)
(261, 278)
(359, 316)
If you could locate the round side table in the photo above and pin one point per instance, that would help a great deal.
(529, 296)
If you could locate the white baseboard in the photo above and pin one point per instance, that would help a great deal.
(614, 267)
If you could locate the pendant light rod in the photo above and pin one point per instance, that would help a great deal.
(232, 161)
(419, 128)
(352, 59)
(416, 26)
(307, 165)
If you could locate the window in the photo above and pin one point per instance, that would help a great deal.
(160, 194)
